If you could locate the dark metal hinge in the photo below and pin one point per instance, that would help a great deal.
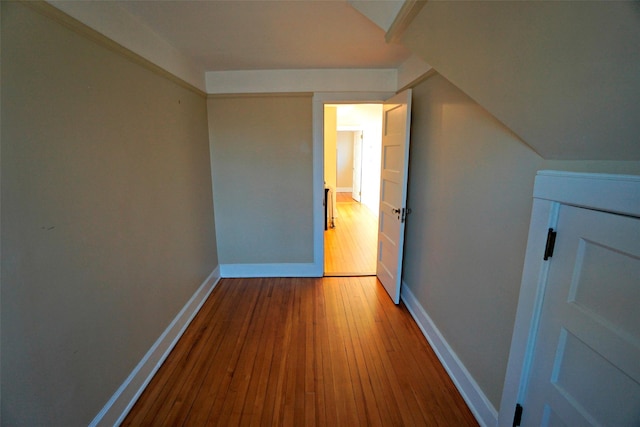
(517, 416)
(405, 212)
(551, 243)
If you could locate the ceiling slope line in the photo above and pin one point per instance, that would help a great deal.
(82, 29)
(403, 19)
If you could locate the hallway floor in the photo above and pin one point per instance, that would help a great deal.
(350, 247)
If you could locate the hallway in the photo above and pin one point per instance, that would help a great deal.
(350, 247)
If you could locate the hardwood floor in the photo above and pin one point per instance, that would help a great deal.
(301, 352)
(344, 198)
(350, 247)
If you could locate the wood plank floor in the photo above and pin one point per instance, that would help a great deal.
(301, 352)
(350, 247)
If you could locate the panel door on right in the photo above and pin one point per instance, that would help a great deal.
(585, 369)
(396, 125)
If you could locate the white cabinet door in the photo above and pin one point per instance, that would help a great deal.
(585, 368)
(396, 122)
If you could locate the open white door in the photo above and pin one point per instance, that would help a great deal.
(357, 166)
(396, 121)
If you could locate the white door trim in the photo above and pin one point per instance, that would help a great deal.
(611, 193)
(319, 100)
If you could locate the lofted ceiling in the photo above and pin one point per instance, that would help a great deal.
(253, 35)
(264, 35)
(547, 70)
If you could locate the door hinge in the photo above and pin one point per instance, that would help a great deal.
(405, 212)
(517, 416)
(551, 243)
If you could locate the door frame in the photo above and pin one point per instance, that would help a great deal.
(319, 101)
(618, 194)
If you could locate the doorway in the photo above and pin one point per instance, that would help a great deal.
(352, 148)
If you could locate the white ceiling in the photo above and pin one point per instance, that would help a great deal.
(265, 35)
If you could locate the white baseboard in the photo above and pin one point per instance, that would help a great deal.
(114, 412)
(482, 409)
(344, 190)
(269, 270)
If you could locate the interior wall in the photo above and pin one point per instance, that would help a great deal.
(530, 63)
(261, 154)
(470, 191)
(107, 217)
(345, 160)
(368, 118)
(470, 187)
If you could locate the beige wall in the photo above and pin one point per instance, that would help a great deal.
(107, 217)
(368, 118)
(344, 159)
(470, 188)
(563, 75)
(262, 174)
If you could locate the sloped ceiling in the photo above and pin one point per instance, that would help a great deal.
(564, 76)
(382, 13)
(268, 35)
(201, 41)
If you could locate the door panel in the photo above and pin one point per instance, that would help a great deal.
(393, 191)
(585, 368)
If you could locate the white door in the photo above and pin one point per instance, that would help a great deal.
(357, 166)
(585, 369)
(396, 120)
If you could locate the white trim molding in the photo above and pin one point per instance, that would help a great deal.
(478, 403)
(610, 193)
(269, 270)
(412, 72)
(116, 409)
(405, 16)
(322, 80)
